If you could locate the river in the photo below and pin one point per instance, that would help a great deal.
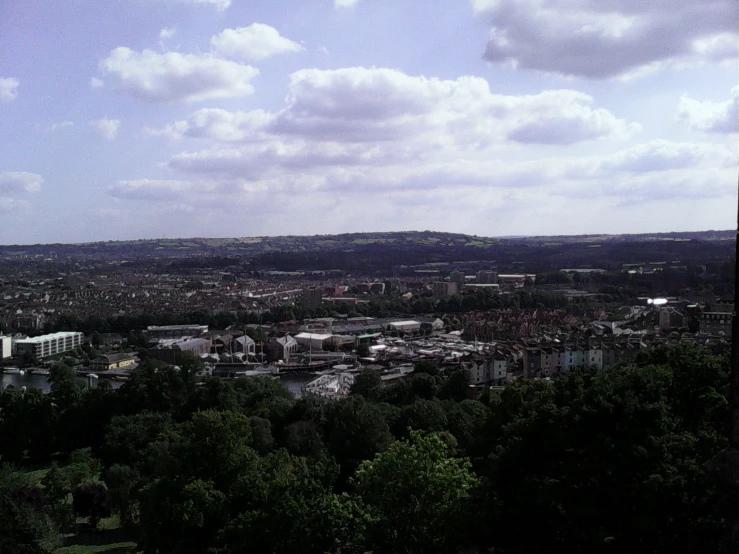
(293, 383)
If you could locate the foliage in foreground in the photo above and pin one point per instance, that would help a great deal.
(592, 462)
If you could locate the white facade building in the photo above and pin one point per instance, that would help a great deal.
(50, 345)
(6, 345)
(483, 372)
(313, 341)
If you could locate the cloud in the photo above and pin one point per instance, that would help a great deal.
(60, 125)
(96, 83)
(12, 182)
(345, 3)
(359, 105)
(149, 189)
(175, 77)
(8, 89)
(656, 170)
(167, 33)
(639, 188)
(654, 156)
(710, 117)
(377, 137)
(255, 42)
(600, 39)
(218, 4)
(106, 128)
(216, 124)
(362, 129)
(8, 205)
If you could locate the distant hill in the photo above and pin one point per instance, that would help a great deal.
(382, 251)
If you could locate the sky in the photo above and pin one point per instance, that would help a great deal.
(126, 119)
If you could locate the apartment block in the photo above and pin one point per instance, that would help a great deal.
(50, 345)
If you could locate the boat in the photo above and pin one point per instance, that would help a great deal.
(43, 372)
(14, 371)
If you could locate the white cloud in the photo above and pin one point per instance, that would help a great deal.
(167, 33)
(711, 117)
(149, 189)
(342, 128)
(60, 125)
(358, 105)
(8, 89)
(608, 38)
(173, 77)
(8, 205)
(397, 144)
(255, 42)
(654, 156)
(106, 128)
(216, 124)
(344, 3)
(20, 181)
(96, 83)
(218, 4)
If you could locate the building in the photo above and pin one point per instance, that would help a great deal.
(49, 345)
(713, 323)
(457, 277)
(313, 341)
(110, 362)
(515, 279)
(6, 345)
(410, 326)
(282, 348)
(175, 331)
(312, 297)
(244, 344)
(170, 350)
(377, 288)
(332, 386)
(486, 277)
(442, 289)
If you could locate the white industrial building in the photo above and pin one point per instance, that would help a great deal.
(410, 326)
(50, 345)
(6, 346)
(313, 341)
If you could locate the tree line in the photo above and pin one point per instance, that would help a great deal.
(591, 462)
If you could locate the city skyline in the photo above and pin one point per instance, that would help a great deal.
(212, 118)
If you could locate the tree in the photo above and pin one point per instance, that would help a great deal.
(122, 482)
(367, 384)
(416, 496)
(423, 415)
(127, 437)
(465, 421)
(456, 386)
(357, 430)
(261, 432)
(303, 438)
(57, 488)
(25, 525)
(283, 504)
(636, 439)
(27, 424)
(423, 385)
(181, 514)
(426, 366)
(91, 501)
(65, 387)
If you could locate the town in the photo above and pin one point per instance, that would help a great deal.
(318, 329)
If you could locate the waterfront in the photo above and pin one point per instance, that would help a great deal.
(293, 383)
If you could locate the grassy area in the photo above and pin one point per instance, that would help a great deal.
(109, 537)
